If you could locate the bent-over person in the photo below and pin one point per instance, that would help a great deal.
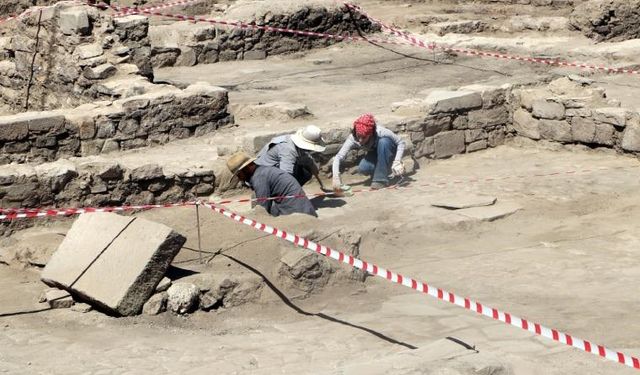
(270, 182)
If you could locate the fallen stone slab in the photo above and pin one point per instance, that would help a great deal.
(113, 262)
(463, 201)
(490, 213)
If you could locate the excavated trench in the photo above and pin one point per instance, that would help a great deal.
(556, 156)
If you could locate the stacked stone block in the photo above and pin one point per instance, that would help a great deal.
(186, 44)
(138, 121)
(78, 48)
(568, 111)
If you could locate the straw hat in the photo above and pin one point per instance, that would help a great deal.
(309, 138)
(238, 161)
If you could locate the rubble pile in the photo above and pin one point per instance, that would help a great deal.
(612, 20)
(77, 50)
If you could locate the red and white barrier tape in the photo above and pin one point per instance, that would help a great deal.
(19, 213)
(415, 41)
(435, 292)
(127, 11)
(22, 213)
(244, 25)
(408, 37)
(432, 184)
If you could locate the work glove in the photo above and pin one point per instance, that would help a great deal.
(341, 190)
(398, 168)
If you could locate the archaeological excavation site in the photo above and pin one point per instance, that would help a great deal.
(320, 187)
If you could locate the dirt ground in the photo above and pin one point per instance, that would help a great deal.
(565, 259)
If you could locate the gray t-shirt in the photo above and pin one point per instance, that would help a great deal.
(273, 182)
(282, 153)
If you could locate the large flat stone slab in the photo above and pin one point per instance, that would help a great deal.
(451, 101)
(113, 262)
(460, 201)
(490, 213)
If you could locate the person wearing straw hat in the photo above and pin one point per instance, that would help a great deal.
(269, 182)
(291, 153)
(384, 150)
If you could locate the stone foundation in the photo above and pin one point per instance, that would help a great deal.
(186, 44)
(138, 121)
(613, 20)
(569, 111)
(538, 3)
(443, 124)
(79, 48)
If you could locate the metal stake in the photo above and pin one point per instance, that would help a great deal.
(33, 61)
(199, 238)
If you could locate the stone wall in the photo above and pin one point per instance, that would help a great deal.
(79, 50)
(186, 44)
(18, 6)
(539, 3)
(443, 124)
(608, 19)
(569, 111)
(66, 183)
(138, 121)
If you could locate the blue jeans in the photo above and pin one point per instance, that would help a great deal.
(377, 162)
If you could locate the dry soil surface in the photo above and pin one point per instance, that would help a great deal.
(566, 259)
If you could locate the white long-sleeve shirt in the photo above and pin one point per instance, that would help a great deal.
(351, 143)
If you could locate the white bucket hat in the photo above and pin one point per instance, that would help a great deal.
(309, 138)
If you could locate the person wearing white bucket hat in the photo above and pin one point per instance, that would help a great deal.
(291, 153)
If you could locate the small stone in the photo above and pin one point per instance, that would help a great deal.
(203, 189)
(449, 143)
(121, 51)
(163, 285)
(100, 72)
(255, 55)
(525, 125)
(88, 51)
(208, 301)
(110, 146)
(74, 21)
(546, 109)
(81, 307)
(463, 201)
(146, 172)
(156, 304)
(182, 297)
(559, 131)
(58, 298)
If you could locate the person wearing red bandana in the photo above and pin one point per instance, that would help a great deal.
(384, 150)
